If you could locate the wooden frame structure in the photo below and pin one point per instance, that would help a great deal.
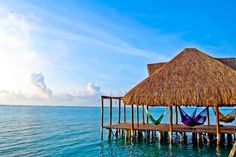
(133, 126)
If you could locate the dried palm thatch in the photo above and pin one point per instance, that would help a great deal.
(153, 67)
(231, 62)
(192, 78)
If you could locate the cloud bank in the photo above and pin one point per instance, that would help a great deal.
(90, 96)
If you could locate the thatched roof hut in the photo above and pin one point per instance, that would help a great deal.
(192, 78)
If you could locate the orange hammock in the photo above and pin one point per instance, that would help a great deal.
(228, 118)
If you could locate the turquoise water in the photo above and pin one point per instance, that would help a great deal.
(74, 131)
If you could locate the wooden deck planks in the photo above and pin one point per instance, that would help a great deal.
(176, 128)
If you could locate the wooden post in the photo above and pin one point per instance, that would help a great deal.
(102, 112)
(119, 104)
(119, 111)
(217, 125)
(124, 113)
(176, 115)
(143, 114)
(148, 132)
(171, 125)
(110, 130)
(137, 115)
(159, 136)
(233, 150)
(208, 116)
(146, 115)
(110, 111)
(132, 119)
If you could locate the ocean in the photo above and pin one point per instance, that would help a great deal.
(27, 131)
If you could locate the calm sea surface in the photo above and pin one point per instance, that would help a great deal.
(75, 131)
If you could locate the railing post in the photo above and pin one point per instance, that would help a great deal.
(124, 113)
(143, 114)
(171, 125)
(147, 115)
(208, 116)
(137, 115)
(119, 103)
(102, 115)
(110, 130)
(110, 111)
(132, 120)
(217, 125)
(176, 115)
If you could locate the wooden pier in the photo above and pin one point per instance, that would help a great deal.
(176, 128)
(143, 126)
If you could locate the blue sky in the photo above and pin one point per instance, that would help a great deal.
(70, 52)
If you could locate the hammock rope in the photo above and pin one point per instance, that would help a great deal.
(152, 120)
(193, 120)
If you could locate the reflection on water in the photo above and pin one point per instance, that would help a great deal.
(120, 147)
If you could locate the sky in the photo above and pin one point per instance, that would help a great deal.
(71, 52)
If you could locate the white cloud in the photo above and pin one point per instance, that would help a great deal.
(89, 96)
(37, 79)
(44, 96)
(93, 89)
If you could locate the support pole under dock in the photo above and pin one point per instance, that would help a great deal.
(217, 125)
(171, 125)
(233, 150)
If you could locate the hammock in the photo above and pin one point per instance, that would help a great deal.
(152, 120)
(193, 120)
(228, 118)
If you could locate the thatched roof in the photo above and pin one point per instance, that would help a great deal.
(231, 62)
(153, 67)
(192, 78)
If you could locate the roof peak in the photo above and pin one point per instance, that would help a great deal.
(190, 48)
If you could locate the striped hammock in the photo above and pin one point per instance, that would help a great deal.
(228, 118)
(194, 119)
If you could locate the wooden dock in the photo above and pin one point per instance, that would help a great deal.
(132, 129)
(176, 128)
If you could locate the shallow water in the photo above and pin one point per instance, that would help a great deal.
(75, 131)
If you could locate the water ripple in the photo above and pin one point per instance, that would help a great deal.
(58, 131)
